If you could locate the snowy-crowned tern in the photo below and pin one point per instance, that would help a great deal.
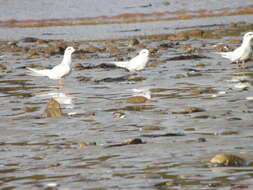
(58, 72)
(242, 53)
(135, 64)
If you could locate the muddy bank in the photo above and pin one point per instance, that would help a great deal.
(43, 48)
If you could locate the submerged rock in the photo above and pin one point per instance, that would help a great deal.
(207, 90)
(187, 57)
(193, 74)
(179, 76)
(78, 66)
(2, 67)
(163, 135)
(85, 144)
(149, 128)
(53, 109)
(174, 37)
(83, 79)
(134, 42)
(222, 48)
(133, 77)
(201, 139)
(188, 110)
(225, 159)
(139, 107)
(112, 50)
(127, 142)
(90, 49)
(188, 48)
(55, 48)
(29, 40)
(136, 100)
(197, 33)
(133, 141)
(32, 52)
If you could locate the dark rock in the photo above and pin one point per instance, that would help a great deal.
(134, 42)
(188, 48)
(32, 52)
(193, 74)
(29, 40)
(201, 139)
(2, 67)
(164, 135)
(112, 50)
(90, 49)
(136, 100)
(179, 76)
(197, 33)
(133, 141)
(83, 79)
(127, 142)
(188, 110)
(85, 144)
(174, 37)
(53, 109)
(186, 57)
(123, 78)
(225, 159)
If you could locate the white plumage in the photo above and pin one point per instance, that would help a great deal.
(59, 71)
(242, 53)
(135, 64)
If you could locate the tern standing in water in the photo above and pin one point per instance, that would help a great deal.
(58, 72)
(242, 53)
(135, 64)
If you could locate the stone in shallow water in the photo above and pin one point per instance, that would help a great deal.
(83, 79)
(134, 42)
(85, 144)
(201, 139)
(3, 67)
(29, 40)
(188, 110)
(53, 109)
(112, 50)
(91, 49)
(136, 100)
(133, 141)
(32, 52)
(224, 159)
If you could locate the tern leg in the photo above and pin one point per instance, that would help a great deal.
(243, 65)
(61, 82)
(238, 64)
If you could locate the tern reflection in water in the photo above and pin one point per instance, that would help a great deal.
(61, 97)
(145, 92)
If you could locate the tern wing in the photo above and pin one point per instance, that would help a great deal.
(229, 55)
(123, 64)
(233, 55)
(225, 54)
(36, 72)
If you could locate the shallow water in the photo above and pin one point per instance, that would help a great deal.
(91, 21)
(37, 152)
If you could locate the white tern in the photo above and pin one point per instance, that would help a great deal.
(58, 72)
(135, 64)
